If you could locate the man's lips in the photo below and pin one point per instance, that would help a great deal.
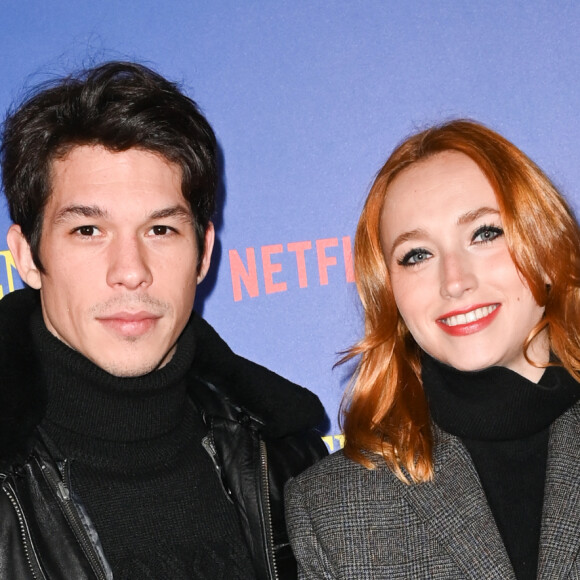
(130, 324)
(470, 320)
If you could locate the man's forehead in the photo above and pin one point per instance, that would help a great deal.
(95, 154)
(95, 177)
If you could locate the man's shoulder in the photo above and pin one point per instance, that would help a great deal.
(16, 345)
(281, 406)
(15, 310)
(21, 396)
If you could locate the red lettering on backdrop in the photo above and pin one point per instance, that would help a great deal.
(239, 274)
(248, 275)
(300, 248)
(325, 261)
(270, 269)
(348, 261)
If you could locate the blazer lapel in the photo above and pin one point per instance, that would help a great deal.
(560, 534)
(454, 508)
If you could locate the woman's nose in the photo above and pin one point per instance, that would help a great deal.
(457, 276)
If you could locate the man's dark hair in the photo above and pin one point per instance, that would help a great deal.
(117, 105)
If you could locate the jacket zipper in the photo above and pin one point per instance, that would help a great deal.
(208, 444)
(63, 493)
(34, 566)
(267, 509)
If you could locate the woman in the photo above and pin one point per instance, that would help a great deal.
(462, 423)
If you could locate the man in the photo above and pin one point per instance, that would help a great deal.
(133, 443)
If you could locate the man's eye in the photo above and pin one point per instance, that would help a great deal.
(414, 257)
(87, 231)
(161, 230)
(486, 234)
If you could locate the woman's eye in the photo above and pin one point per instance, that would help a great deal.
(414, 257)
(486, 234)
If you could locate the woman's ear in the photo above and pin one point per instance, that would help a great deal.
(20, 250)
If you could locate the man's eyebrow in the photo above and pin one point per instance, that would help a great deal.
(174, 211)
(88, 211)
(93, 211)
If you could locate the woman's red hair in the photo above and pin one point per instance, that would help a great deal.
(384, 413)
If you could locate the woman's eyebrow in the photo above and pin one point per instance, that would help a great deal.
(475, 214)
(406, 236)
(463, 219)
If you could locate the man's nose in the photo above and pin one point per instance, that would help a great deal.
(128, 264)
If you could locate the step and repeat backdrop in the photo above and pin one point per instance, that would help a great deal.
(307, 99)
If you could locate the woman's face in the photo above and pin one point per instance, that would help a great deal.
(454, 282)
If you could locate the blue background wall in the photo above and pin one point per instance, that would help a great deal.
(307, 99)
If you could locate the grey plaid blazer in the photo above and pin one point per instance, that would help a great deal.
(347, 522)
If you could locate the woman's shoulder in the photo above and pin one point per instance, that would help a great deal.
(343, 496)
(574, 411)
(335, 463)
(338, 474)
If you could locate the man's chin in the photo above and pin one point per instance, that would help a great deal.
(125, 371)
(128, 367)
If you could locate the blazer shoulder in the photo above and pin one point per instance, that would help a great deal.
(574, 411)
(568, 424)
(335, 464)
(338, 476)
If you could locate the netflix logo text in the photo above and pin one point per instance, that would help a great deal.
(303, 263)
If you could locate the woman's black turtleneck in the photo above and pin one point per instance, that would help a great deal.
(503, 420)
(138, 466)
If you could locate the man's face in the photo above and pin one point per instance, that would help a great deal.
(120, 254)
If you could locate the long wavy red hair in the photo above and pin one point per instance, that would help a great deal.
(384, 413)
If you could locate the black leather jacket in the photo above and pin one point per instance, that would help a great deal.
(45, 533)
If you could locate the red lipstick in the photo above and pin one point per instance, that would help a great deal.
(469, 320)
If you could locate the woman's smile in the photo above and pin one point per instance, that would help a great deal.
(473, 320)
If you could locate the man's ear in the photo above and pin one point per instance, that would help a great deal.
(20, 250)
(207, 250)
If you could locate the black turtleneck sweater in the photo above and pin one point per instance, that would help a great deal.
(138, 467)
(503, 420)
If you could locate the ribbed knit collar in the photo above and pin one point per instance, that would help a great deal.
(85, 400)
(495, 404)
